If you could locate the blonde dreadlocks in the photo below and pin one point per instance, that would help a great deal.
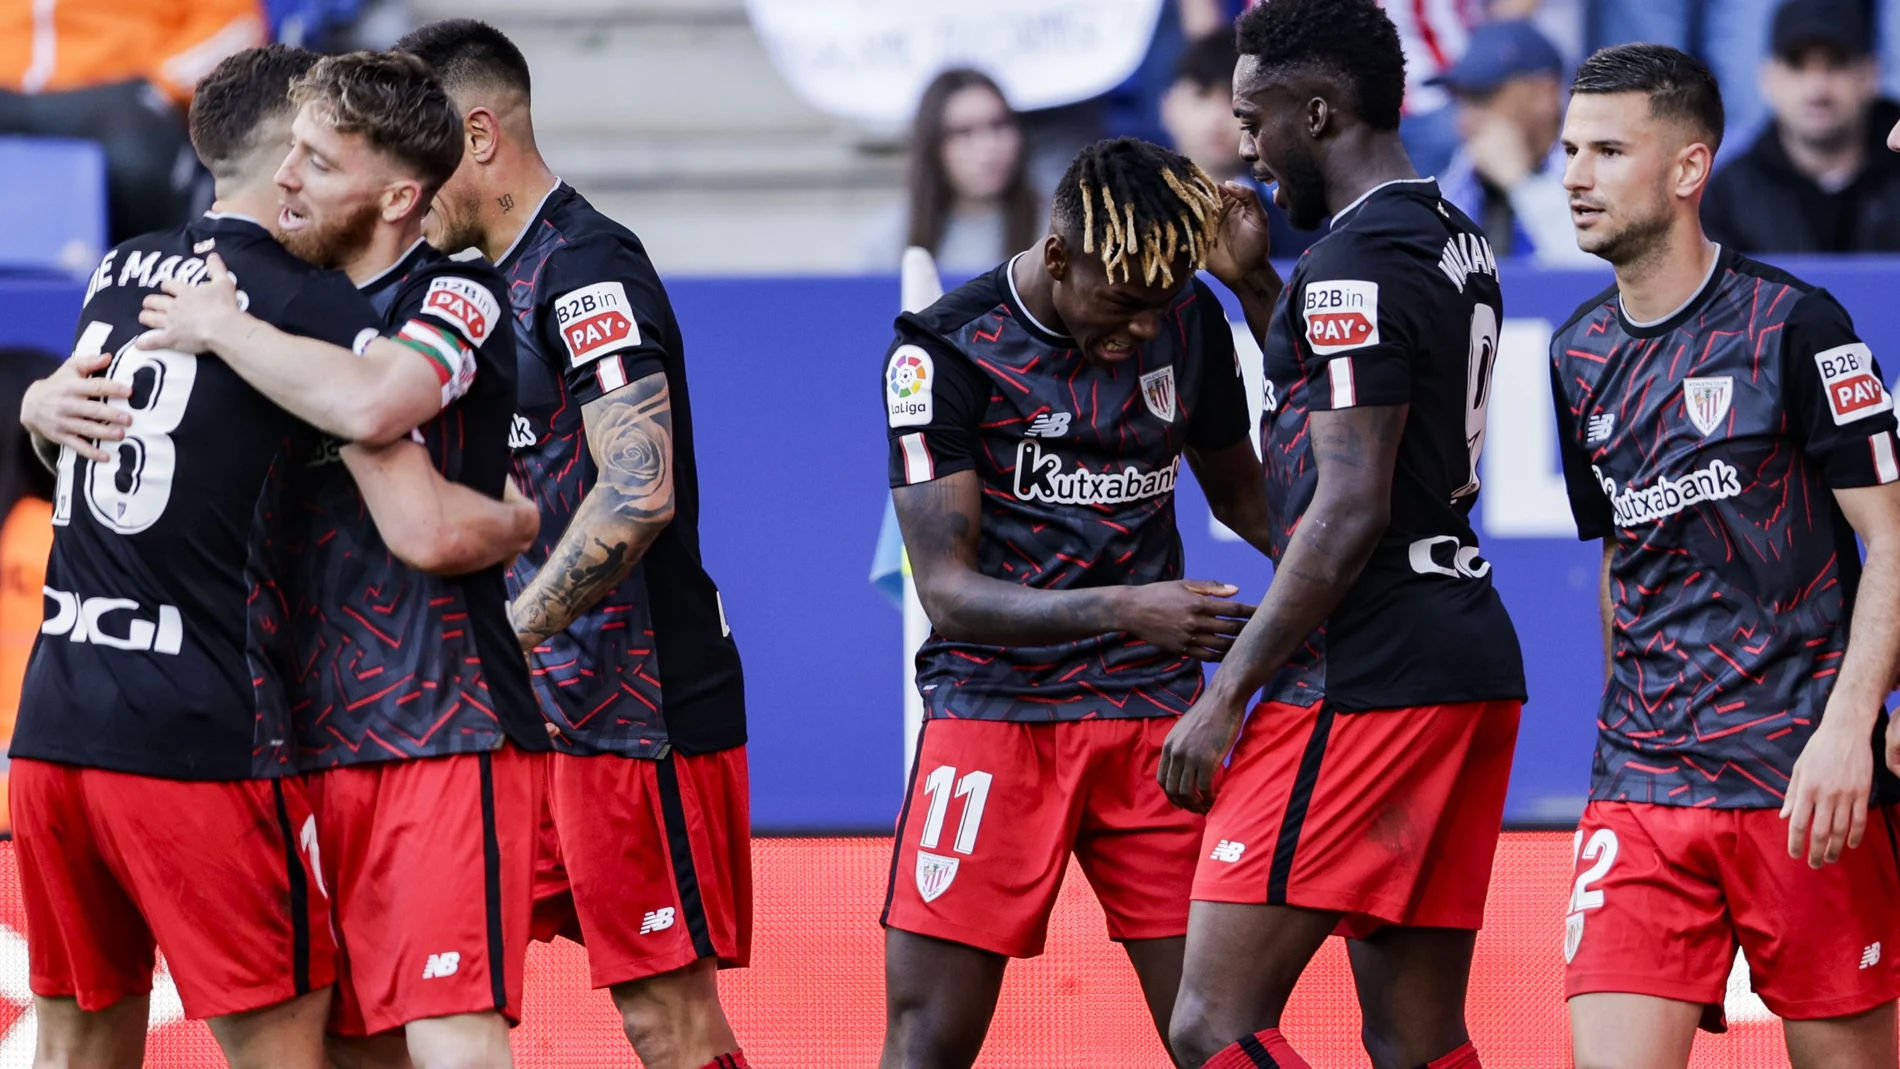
(1140, 208)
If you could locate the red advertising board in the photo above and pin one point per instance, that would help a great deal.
(814, 996)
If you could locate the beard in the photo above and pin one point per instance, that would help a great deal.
(1305, 186)
(453, 224)
(1630, 243)
(330, 243)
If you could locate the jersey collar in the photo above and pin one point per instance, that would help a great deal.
(1016, 305)
(1367, 195)
(1656, 328)
(533, 218)
(373, 281)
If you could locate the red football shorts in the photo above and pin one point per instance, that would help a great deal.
(113, 865)
(1388, 817)
(1663, 895)
(994, 810)
(430, 864)
(649, 863)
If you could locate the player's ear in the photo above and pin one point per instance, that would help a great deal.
(1319, 114)
(1693, 164)
(1055, 257)
(399, 199)
(481, 130)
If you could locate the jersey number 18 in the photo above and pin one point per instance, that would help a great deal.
(128, 493)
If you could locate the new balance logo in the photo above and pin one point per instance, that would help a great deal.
(1601, 425)
(441, 965)
(1049, 425)
(1228, 850)
(1870, 957)
(657, 921)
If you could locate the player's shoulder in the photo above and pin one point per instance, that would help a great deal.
(592, 246)
(1604, 303)
(467, 292)
(1799, 301)
(946, 317)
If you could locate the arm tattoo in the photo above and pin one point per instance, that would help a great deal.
(631, 436)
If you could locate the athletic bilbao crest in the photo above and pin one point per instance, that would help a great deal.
(1157, 391)
(1573, 936)
(934, 874)
(1707, 400)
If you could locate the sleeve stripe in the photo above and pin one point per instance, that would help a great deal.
(610, 373)
(436, 344)
(918, 467)
(1885, 466)
(1339, 374)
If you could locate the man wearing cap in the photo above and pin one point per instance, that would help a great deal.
(1816, 180)
(1507, 174)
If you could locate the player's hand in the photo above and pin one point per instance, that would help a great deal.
(1186, 616)
(1826, 807)
(186, 317)
(1241, 241)
(69, 407)
(526, 513)
(1191, 757)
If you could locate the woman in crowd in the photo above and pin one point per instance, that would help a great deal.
(970, 200)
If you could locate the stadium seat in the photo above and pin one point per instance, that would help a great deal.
(52, 205)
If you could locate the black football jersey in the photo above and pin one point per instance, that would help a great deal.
(1398, 304)
(394, 663)
(1709, 446)
(1078, 464)
(652, 666)
(146, 662)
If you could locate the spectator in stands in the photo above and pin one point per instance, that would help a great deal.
(971, 203)
(1818, 178)
(1731, 36)
(1198, 114)
(120, 72)
(1507, 173)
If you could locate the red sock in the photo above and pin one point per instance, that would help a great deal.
(1465, 1057)
(1262, 1050)
(736, 1060)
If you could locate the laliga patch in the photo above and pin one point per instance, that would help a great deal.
(595, 320)
(908, 381)
(1341, 314)
(464, 304)
(1853, 390)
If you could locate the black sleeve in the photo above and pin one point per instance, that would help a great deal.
(606, 321)
(1221, 417)
(1357, 318)
(933, 399)
(446, 315)
(327, 307)
(1835, 395)
(1588, 504)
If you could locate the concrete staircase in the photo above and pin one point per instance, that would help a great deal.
(670, 117)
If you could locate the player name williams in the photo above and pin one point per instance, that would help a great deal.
(1039, 477)
(1642, 504)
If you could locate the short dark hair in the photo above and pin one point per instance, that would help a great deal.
(1351, 41)
(469, 52)
(1207, 63)
(394, 100)
(238, 96)
(1139, 207)
(1679, 86)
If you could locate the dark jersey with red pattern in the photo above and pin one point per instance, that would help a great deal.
(652, 666)
(394, 663)
(1709, 446)
(146, 662)
(1397, 305)
(1078, 464)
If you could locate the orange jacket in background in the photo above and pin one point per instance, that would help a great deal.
(50, 45)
